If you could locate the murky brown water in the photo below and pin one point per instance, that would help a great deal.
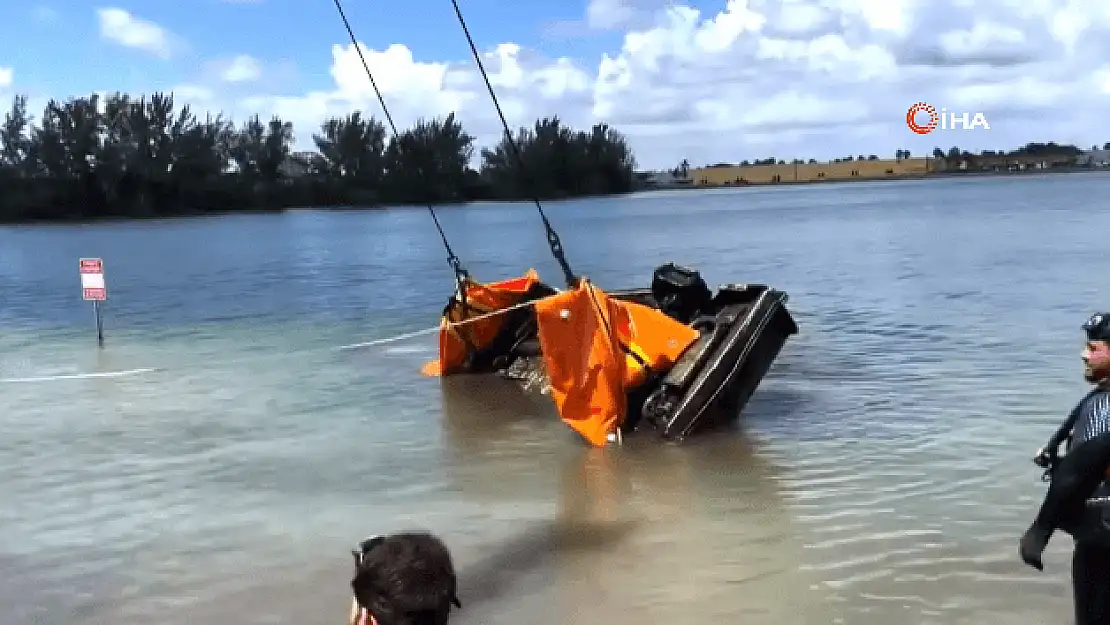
(881, 474)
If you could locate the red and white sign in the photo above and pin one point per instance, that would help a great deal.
(92, 279)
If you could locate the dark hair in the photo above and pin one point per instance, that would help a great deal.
(406, 579)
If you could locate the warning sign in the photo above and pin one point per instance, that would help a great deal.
(92, 279)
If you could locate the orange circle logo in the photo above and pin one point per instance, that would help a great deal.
(927, 127)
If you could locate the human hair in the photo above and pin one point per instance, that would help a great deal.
(406, 579)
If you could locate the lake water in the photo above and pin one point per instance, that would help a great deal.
(881, 473)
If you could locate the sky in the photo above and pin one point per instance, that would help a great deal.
(707, 81)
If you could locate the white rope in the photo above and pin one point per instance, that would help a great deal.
(450, 324)
(80, 376)
(373, 343)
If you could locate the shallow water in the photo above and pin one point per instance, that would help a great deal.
(881, 473)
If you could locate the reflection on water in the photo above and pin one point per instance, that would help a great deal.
(484, 412)
(713, 539)
(648, 532)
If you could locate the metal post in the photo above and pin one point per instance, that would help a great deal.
(99, 324)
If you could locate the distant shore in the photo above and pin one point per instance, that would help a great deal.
(940, 175)
(77, 220)
(948, 175)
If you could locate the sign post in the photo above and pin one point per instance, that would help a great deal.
(94, 289)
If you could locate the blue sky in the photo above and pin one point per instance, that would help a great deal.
(60, 53)
(704, 80)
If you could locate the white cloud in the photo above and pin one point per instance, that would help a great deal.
(789, 78)
(609, 13)
(123, 28)
(243, 68)
(7, 76)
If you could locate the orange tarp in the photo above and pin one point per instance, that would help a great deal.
(583, 336)
(481, 299)
(657, 339)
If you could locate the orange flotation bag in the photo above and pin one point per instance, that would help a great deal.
(457, 342)
(596, 349)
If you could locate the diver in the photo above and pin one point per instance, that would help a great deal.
(1078, 497)
(403, 579)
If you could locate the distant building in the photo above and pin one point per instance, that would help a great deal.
(662, 179)
(998, 162)
(1094, 158)
(780, 172)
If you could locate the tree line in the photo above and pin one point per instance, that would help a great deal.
(898, 155)
(122, 156)
(1029, 149)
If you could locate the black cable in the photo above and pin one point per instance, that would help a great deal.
(452, 259)
(552, 236)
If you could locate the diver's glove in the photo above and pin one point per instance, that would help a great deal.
(1032, 546)
(1074, 479)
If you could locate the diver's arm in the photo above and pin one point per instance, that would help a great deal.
(1063, 432)
(1074, 480)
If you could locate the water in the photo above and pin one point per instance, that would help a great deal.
(881, 474)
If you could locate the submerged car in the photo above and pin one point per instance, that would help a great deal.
(675, 357)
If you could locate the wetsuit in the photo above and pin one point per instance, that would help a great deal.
(1080, 476)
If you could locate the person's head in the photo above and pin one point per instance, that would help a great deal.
(1096, 353)
(405, 579)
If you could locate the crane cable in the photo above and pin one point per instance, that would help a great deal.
(461, 274)
(552, 236)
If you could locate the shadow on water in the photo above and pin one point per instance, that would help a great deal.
(647, 532)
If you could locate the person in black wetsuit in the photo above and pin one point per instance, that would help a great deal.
(1078, 498)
